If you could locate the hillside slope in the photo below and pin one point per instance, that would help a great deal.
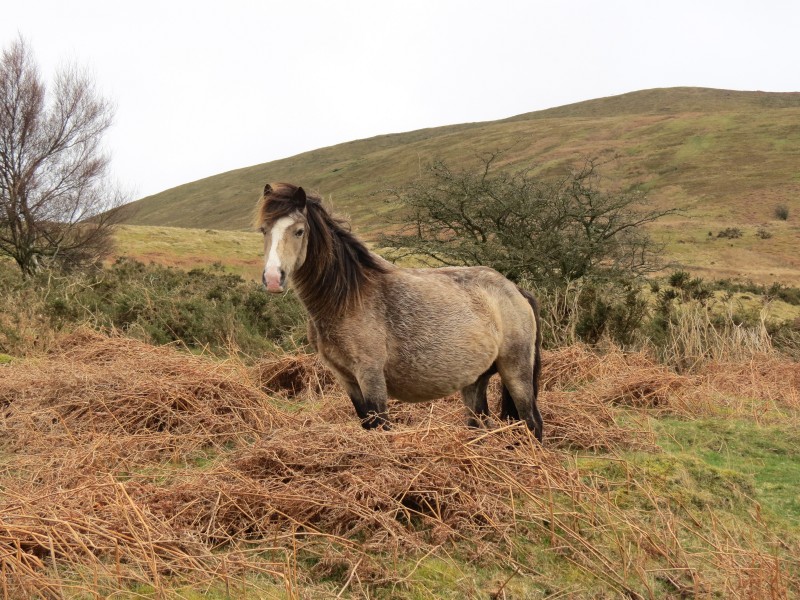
(727, 158)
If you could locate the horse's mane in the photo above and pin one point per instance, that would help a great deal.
(338, 266)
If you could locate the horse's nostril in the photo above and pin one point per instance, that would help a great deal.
(264, 277)
(283, 277)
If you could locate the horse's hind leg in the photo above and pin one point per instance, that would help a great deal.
(508, 410)
(475, 400)
(519, 397)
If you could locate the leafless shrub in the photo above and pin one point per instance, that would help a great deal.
(56, 205)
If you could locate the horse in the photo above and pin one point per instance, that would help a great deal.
(412, 334)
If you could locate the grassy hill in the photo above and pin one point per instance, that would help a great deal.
(727, 158)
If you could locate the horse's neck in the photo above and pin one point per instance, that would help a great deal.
(318, 310)
(326, 291)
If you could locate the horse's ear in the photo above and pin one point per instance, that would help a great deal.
(267, 189)
(300, 198)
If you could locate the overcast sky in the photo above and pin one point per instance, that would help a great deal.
(205, 87)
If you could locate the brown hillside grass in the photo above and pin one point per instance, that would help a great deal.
(125, 465)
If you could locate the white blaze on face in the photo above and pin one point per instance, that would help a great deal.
(273, 270)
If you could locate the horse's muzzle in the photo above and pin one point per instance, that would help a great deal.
(274, 280)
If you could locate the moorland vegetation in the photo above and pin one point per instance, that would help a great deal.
(134, 469)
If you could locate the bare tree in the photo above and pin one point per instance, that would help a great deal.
(546, 231)
(56, 204)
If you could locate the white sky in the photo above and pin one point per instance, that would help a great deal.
(205, 87)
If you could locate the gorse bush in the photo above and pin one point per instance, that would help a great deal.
(221, 313)
(685, 287)
(774, 291)
(201, 309)
(679, 278)
(592, 311)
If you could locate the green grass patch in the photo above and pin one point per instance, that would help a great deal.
(233, 252)
(744, 458)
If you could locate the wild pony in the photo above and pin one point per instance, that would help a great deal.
(410, 334)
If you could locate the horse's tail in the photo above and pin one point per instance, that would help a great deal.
(508, 409)
(537, 359)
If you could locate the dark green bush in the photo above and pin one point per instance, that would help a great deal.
(678, 279)
(763, 233)
(790, 295)
(730, 233)
(617, 312)
(200, 309)
(687, 288)
(775, 291)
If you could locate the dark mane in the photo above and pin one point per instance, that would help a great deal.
(338, 266)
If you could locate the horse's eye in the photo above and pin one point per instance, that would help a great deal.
(299, 232)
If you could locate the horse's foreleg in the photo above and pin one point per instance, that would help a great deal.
(372, 412)
(369, 398)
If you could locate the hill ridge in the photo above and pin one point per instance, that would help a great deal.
(668, 101)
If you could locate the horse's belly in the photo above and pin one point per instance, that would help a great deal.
(418, 383)
(417, 393)
(445, 360)
(405, 393)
